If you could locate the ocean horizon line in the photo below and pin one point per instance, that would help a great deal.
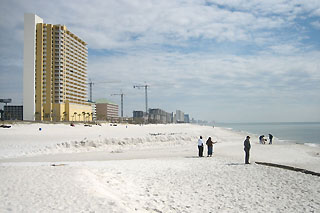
(276, 122)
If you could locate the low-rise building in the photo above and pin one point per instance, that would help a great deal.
(105, 110)
(159, 116)
(13, 113)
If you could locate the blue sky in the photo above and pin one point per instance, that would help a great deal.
(227, 61)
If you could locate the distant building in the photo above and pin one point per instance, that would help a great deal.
(138, 114)
(54, 73)
(186, 118)
(159, 116)
(13, 113)
(179, 116)
(106, 110)
(172, 117)
(140, 117)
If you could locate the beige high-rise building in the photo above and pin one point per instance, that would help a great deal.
(58, 81)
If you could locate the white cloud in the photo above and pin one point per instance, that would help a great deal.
(316, 24)
(316, 12)
(200, 74)
(115, 22)
(195, 52)
(284, 49)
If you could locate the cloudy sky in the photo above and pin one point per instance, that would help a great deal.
(227, 61)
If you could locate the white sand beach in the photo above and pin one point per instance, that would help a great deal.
(151, 168)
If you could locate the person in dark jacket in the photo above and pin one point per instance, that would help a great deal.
(247, 147)
(210, 146)
(261, 139)
(270, 138)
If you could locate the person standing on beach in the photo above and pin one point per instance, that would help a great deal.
(247, 147)
(270, 138)
(210, 144)
(200, 147)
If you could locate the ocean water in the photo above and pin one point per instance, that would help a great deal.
(297, 132)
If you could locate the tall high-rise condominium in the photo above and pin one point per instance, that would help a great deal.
(55, 73)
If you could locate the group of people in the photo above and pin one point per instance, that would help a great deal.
(209, 144)
(246, 143)
(247, 146)
(262, 140)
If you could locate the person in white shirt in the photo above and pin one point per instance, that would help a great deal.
(200, 147)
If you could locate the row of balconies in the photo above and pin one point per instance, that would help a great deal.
(58, 81)
(71, 39)
(77, 75)
(81, 67)
(76, 78)
(77, 51)
(75, 97)
(76, 71)
(76, 48)
(56, 68)
(72, 54)
(76, 81)
(58, 54)
(74, 62)
(71, 98)
(77, 58)
(75, 67)
(68, 51)
(76, 90)
(75, 42)
(81, 71)
(75, 55)
(59, 75)
(59, 62)
(58, 91)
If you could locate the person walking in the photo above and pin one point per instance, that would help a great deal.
(247, 147)
(200, 147)
(270, 138)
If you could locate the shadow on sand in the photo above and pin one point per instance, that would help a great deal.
(194, 157)
(235, 164)
(289, 168)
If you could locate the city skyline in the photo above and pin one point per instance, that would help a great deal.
(236, 61)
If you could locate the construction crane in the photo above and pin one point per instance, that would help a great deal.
(91, 86)
(121, 94)
(146, 93)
